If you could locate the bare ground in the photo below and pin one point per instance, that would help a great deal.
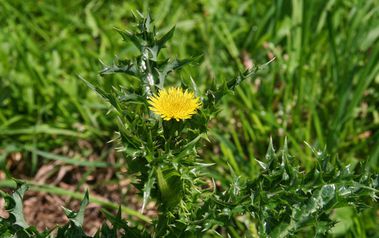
(44, 210)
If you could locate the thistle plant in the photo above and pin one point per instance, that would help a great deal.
(161, 124)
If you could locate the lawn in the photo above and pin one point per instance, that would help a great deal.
(316, 100)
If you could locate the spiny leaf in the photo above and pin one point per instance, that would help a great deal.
(126, 36)
(78, 217)
(17, 209)
(162, 41)
(118, 223)
(170, 187)
(149, 184)
(168, 66)
(126, 67)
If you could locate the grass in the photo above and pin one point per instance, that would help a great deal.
(322, 88)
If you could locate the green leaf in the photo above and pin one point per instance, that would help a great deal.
(127, 36)
(123, 66)
(149, 184)
(170, 187)
(168, 66)
(17, 210)
(187, 148)
(118, 223)
(78, 217)
(106, 232)
(162, 41)
(70, 231)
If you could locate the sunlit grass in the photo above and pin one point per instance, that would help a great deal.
(322, 87)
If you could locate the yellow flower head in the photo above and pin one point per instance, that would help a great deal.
(174, 103)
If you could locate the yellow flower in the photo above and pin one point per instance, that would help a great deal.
(174, 103)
